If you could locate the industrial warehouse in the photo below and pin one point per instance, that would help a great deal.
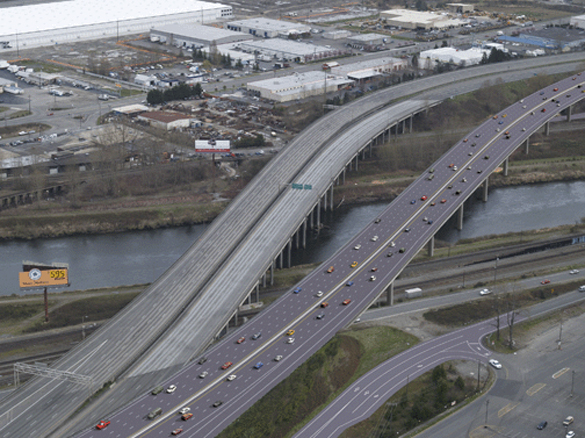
(25, 27)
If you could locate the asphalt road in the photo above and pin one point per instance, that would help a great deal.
(118, 345)
(362, 270)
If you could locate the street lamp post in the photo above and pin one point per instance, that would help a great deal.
(83, 328)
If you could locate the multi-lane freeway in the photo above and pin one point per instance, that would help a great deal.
(41, 405)
(361, 270)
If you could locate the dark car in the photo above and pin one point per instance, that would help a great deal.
(202, 360)
(542, 425)
(217, 403)
(256, 335)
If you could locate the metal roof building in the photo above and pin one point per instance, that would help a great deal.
(267, 28)
(289, 50)
(370, 68)
(298, 86)
(408, 19)
(194, 36)
(77, 20)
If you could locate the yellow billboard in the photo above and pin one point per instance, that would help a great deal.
(44, 278)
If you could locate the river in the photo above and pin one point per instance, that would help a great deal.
(141, 256)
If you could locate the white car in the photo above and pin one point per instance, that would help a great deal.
(320, 293)
(497, 365)
(278, 357)
(485, 292)
(184, 411)
(573, 271)
(374, 238)
(203, 374)
(373, 278)
(171, 389)
(358, 246)
(570, 434)
(290, 340)
(392, 244)
(231, 377)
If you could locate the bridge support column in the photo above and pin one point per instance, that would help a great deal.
(396, 131)
(431, 247)
(527, 145)
(343, 177)
(356, 162)
(311, 218)
(403, 126)
(257, 292)
(547, 128)
(370, 149)
(235, 318)
(272, 273)
(319, 215)
(297, 237)
(331, 198)
(460, 218)
(305, 233)
(506, 167)
(281, 259)
(325, 201)
(569, 113)
(289, 250)
(264, 280)
(485, 187)
(390, 294)
(410, 124)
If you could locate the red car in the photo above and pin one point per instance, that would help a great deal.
(226, 365)
(451, 165)
(102, 424)
(545, 282)
(324, 304)
(423, 198)
(176, 431)
(346, 302)
(443, 201)
(185, 417)
(239, 341)
(374, 269)
(330, 270)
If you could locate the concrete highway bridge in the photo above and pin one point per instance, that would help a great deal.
(178, 316)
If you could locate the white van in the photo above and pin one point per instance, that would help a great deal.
(582, 288)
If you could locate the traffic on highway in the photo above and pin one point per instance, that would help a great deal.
(304, 319)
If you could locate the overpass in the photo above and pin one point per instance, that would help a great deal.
(363, 269)
(180, 300)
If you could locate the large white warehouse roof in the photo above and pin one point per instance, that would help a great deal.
(73, 13)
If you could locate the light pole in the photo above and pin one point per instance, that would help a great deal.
(83, 328)
(496, 272)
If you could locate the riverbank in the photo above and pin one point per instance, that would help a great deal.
(552, 159)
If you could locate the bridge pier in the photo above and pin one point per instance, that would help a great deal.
(403, 126)
(289, 249)
(258, 292)
(325, 200)
(264, 280)
(506, 167)
(431, 247)
(305, 233)
(547, 128)
(311, 218)
(485, 187)
(297, 238)
(527, 144)
(460, 218)
(281, 257)
(356, 162)
(390, 294)
(343, 177)
(410, 124)
(272, 273)
(569, 113)
(331, 198)
(319, 215)
(370, 149)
